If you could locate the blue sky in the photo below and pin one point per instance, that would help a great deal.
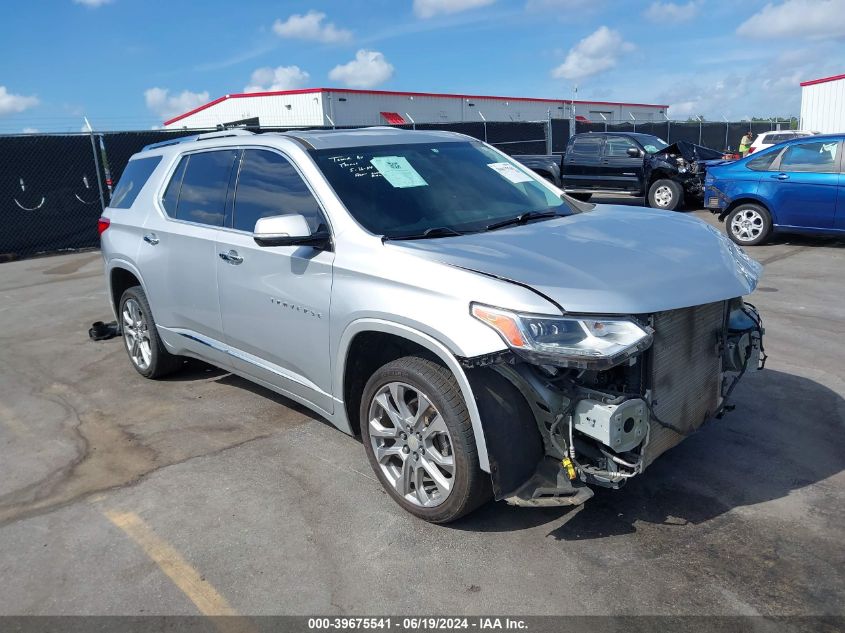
(130, 64)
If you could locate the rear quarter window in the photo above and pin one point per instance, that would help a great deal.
(762, 162)
(133, 179)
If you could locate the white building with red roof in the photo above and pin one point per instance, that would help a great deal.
(823, 105)
(347, 107)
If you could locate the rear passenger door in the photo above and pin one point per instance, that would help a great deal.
(803, 185)
(178, 253)
(582, 163)
(622, 171)
(275, 300)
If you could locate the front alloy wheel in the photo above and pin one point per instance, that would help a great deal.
(412, 444)
(419, 440)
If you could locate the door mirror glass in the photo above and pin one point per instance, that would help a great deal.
(287, 230)
(633, 152)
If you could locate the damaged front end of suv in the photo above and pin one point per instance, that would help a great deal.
(608, 394)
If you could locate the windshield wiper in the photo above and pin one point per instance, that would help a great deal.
(437, 231)
(523, 218)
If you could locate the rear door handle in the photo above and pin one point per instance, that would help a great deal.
(231, 257)
(150, 238)
(781, 176)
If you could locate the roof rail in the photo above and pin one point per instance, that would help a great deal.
(198, 137)
(224, 134)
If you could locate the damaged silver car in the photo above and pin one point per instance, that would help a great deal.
(486, 335)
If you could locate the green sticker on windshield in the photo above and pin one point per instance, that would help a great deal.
(398, 171)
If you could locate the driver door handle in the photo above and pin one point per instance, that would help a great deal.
(231, 257)
(781, 176)
(150, 238)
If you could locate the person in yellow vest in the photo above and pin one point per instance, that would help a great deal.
(745, 143)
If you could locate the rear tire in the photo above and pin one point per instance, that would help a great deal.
(665, 194)
(418, 437)
(749, 224)
(146, 350)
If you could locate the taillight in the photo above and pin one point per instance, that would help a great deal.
(750, 150)
(102, 225)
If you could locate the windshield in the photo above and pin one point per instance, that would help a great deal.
(652, 144)
(443, 188)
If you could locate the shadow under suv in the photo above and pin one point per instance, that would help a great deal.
(486, 335)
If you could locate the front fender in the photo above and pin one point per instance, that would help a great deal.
(428, 342)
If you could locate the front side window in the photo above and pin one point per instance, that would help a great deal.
(203, 181)
(816, 156)
(401, 190)
(653, 144)
(134, 177)
(618, 146)
(269, 185)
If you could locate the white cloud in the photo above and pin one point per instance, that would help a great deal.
(167, 106)
(596, 53)
(367, 70)
(13, 104)
(311, 27)
(92, 3)
(30, 130)
(430, 8)
(672, 12)
(268, 79)
(797, 18)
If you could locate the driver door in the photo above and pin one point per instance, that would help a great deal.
(274, 300)
(621, 170)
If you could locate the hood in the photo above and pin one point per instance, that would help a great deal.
(691, 152)
(613, 260)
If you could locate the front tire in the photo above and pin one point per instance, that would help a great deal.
(418, 437)
(665, 194)
(749, 224)
(146, 350)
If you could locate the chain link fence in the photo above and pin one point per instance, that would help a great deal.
(53, 187)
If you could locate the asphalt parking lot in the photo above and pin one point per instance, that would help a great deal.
(206, 494)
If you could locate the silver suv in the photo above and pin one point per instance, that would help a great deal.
(486, 335)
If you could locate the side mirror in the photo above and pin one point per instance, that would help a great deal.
(633, 152)
(288, 230)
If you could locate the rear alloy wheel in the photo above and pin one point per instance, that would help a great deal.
(418, 438)
(749, 224)
(665, 194)
(146, 350)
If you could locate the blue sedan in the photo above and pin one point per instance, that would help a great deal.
(797, 186)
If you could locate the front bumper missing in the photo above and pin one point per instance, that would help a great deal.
(549, 486)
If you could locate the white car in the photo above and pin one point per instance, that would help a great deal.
(767, 139)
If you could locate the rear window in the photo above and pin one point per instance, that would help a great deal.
(134, 177)
(586, 146)
(197, 190)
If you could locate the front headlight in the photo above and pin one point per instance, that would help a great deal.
(582, 342)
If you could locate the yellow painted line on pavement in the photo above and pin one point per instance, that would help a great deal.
(201, 593)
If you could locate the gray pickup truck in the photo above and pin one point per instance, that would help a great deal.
(628, 163)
